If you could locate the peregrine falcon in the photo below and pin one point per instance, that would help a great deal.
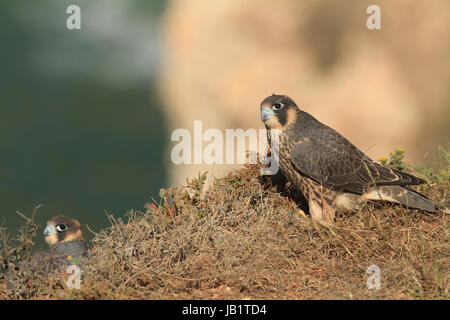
(329, 170)
(66, 244)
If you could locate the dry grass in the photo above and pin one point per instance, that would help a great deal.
(244, 240)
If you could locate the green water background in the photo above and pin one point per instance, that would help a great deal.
(81, 127)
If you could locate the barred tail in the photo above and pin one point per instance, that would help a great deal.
(404, 196)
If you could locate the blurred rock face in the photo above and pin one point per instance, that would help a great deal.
(382, 89)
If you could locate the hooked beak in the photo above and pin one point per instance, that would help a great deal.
(49, 230)
(266, 113)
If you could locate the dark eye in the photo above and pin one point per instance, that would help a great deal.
(61, 227)
(277, 106)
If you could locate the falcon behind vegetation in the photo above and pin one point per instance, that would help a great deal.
(67, 246)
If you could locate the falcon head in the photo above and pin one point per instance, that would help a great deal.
(62, 229)
(278, 111)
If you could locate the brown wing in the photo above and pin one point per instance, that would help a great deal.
(335, 163)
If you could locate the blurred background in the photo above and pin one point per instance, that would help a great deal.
(86, 115)
(82, 129)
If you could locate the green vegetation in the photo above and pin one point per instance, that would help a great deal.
(395, 159)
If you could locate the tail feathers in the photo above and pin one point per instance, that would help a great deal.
(404, 196)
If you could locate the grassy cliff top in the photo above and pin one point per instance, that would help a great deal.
(246, 238)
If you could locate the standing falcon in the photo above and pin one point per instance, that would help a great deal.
(330, 171)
